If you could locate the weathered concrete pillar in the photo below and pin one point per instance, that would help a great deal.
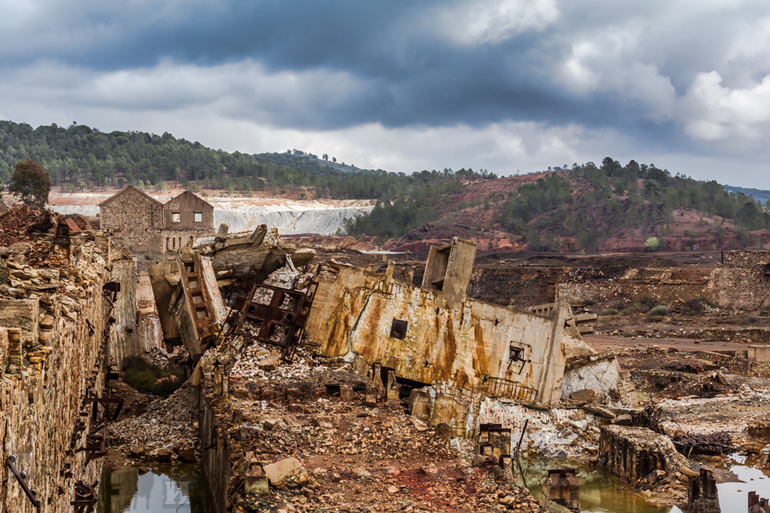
(702, 494)
(561, 487)
(392, 389)
(419, 403)
(636, 453)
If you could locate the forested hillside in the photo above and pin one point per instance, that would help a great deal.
(586, 208)
(80, 157)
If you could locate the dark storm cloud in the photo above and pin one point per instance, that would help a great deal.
(413, 71)
(673, 77)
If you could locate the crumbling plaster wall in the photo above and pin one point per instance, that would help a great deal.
(41, 401)
(353, 313)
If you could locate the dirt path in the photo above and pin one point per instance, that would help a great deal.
(614, 343)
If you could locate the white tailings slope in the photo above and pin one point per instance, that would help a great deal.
(288, 219)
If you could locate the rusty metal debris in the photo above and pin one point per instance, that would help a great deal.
(85, 497)
(649, 417)
(757, 504)
(21, 477)
(711, 443)
(495, 440)
(98, 420)
(562, 487)
(271, 315)
(507, 389)
(702, 494)
(94, 448)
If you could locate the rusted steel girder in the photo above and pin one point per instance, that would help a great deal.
(21, 477)
(85, 497)
(271, 315)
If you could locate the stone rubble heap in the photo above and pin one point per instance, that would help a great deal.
(166, 431)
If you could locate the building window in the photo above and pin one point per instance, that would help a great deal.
(176, 217)
(199, 217)
(398, 328)
(517, 357)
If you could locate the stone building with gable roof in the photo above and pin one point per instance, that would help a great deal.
(146, 226)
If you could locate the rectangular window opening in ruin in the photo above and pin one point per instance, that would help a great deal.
(176, 217)
(398, 328)
(517, 357)
(198, 217)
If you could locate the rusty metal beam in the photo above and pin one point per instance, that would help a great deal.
(21, 477)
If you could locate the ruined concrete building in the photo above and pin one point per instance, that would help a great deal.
(434, 333)
(740, 282)
(145, 225)
(186, 287)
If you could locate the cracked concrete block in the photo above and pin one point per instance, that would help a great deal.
(281, 469)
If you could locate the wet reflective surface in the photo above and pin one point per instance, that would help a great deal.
(734, 497)
(599, 490)
(179, 489)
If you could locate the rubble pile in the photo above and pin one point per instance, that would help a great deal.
(342, 452)
(166, 431)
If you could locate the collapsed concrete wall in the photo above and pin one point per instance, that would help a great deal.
(49, 377)
(413, 331)
(742, 282)
(663, 285)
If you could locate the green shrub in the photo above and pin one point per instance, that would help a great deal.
(150, 379)
(611, 311)
(659, 311)
(648, 302)
(693, 306)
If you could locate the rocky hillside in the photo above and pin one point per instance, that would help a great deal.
(589, 209)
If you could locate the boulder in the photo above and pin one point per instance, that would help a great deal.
(278, 471)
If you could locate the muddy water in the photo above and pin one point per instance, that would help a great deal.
(599, 490)
(734, 497)
(179, 489)
(602, 492)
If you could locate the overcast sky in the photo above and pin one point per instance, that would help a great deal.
(505, 85)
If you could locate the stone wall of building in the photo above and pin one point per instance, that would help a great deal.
(186, 206)
(135, 220)
(43, 392)
(663, 285)
(742, 282)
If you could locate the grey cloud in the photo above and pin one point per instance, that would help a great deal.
(636, 70)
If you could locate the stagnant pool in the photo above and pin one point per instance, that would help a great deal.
(181, 488)
(601, 492)
(184, 489)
